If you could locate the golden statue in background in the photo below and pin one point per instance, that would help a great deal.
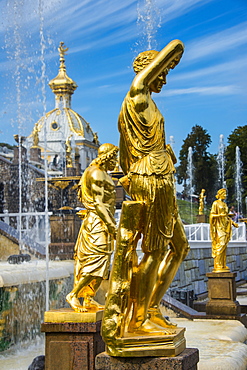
(220, 231)
(35, 135)
(136, 289)
(68, 147)
(94, 244)
(201, 202)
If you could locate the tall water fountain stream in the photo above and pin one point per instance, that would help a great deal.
(43, 87)
(27, 290)
(238, 181)
(21, 61)
(148, 22)
(221, 163)
(190, 180)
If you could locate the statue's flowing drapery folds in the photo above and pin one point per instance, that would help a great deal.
(150, 169)
(220, 231)
(133, 324)
(95, 240)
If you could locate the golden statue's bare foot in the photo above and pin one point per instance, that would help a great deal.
(148, 327)
(75, 303)
(155, 316)
(89, 302)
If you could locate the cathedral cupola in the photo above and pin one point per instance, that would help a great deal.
(68, 138)
(62, 85)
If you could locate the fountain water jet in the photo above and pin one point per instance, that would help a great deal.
(148, 20)
(172, 142)
(238, 181)
(25, 296)
(221, 162)
(190, 178)
(17, 75)
(43, 80)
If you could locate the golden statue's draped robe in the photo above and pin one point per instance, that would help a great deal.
(220, 228)
(94, 244)
(149, 165)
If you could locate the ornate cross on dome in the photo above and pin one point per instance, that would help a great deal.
(62, 51)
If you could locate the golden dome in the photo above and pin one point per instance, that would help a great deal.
(62, 84)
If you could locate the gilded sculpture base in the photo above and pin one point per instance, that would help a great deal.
(131, 345)
(219, 270)
(62, 315)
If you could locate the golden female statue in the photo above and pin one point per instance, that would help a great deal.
(94, 244)
(148, 164)
(220, 231)
(201, 202)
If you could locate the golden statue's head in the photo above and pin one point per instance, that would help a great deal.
(143, 59)
(106, 153)
(146, 57)
(221, 194)
(108, 149)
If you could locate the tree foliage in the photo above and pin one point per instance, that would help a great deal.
(237, 138)
(7, 145)
(204, 163)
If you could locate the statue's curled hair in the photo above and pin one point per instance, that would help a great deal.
(220, 193)
(143, 59)
(105, 153)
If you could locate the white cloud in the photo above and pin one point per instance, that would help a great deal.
(175, 8)
(222, 68)
(88, 19)
(91, 17)
(25, 13)
(209, 90)
(224, 41)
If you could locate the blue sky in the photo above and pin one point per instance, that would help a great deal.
(208, 87)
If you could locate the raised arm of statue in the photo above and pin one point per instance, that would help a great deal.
(167, 58)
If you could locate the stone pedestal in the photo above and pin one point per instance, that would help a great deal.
(201, 219)
(71, 171)
(17, 152)
(187, 360)
(35, 155)
(222, 294)
(71, 345)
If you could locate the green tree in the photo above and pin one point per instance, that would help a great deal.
(204, 163)
(237, 138)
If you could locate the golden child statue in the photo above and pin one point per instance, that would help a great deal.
(94, 244)
(136, 289)
(220, 231)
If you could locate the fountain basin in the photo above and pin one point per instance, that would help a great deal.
(23, 294)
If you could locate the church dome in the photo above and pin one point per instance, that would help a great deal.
(63, 125)
(62, 83)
